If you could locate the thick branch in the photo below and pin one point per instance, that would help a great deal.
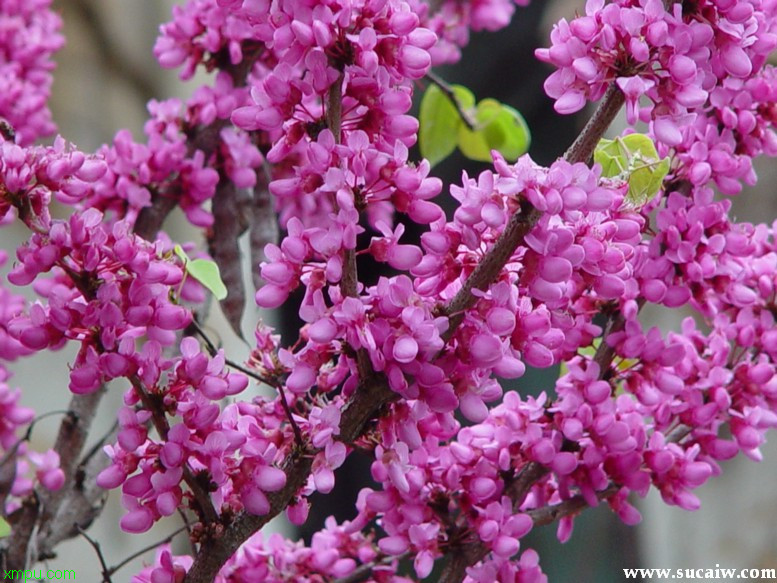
(80, 506)
(73, 432)
(349, 283)
(334, 121)
(15, 552)
(159, 419)
(521, 223)
(583, 147)
(264, 226)
(229, 223)
(215, 552)
(474, 552)
(370, 397)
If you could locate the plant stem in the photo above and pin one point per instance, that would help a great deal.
(448, 91)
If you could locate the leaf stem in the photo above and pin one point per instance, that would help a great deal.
(448, 91)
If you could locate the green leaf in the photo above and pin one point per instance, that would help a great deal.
(500, 127)
(5, 528)
(645, 182)
(633, 158)
(608, 154)
(178, 250)
(439, 121)
(205, 271)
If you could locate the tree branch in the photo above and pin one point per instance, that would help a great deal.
(229, 223)
(264, 224)
(159, 419)
(146, 549)
(96, 546)
(583, 147)
(81, 505)
(521, 223)
(204, 138)
(361, 409)
(549, 514)
(71, 439)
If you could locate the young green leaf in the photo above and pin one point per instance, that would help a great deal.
(645, 181)
(610, 156)
(439, 121)
(5, 528)
(500, 127)
(204, 271)
(633, 158)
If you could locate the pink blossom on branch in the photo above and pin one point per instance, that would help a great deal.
(537, 266)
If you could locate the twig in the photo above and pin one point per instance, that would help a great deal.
(187, 525)
(334, 108)
(43, 416)
(99, 444)
(448, 91)
(583, 147)
(212, 350)
(678, 433)
(11, 452)
(276, 384)
(144, 550)
(159, 419)
(550, 514)
(362, 572)
(96, 546)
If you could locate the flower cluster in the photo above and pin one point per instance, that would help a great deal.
(29, 36)
(168, 165)
(701, 68)
(336, 552)
(109, 289)
(451, 21)
(17, 458)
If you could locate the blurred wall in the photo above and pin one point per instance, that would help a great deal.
(736, 526)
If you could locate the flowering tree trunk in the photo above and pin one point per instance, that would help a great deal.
(305, 125)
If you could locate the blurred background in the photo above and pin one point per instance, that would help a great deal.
(105, 76)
